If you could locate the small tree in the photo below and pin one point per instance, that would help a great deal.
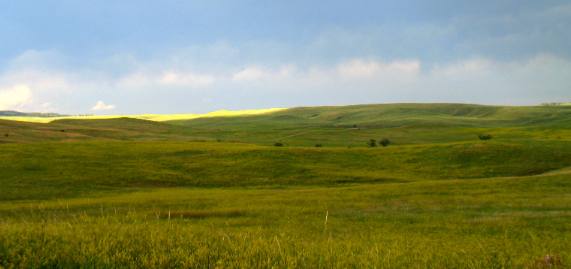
(278, 144)
(485, 137)
(318, 145)
(372, 143)
(385, 142)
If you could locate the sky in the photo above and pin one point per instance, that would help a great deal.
(175, 56)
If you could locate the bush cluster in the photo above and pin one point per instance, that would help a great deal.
(485, 136)
(385, 142)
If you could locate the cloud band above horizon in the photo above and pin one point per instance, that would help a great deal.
(514, 52)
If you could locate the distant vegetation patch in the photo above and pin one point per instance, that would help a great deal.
(485, 136)
(11, 113)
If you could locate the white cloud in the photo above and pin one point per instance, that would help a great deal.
(46, 107)
(287, 70)
(169, 78)
(39, 80)
(358, 68)
(254, 73)
(15, 97)
(357, 80)
(186, 79)
(249, 74)
(135, 80)
(476, 80)
(476, 66)
(100, 105)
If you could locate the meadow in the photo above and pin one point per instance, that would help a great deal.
(216, 193)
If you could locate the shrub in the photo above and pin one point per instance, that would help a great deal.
(278, 144)
(485, 137)
(372, 143)
(318, 145)
(385, 142)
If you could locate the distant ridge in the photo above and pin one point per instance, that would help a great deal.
(49, 117)
(557, 104)
(405, 124)
(11, 113)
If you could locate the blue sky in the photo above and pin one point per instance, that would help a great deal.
(107, 57)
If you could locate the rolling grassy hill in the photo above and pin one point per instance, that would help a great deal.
(214, 192)
(329, 126)
(403, 123)
(81, 130)
(56, 170)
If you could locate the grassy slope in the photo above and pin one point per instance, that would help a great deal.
(438, 198)
(402, 123)
(56, 170)
(81, 130)
(330, 126)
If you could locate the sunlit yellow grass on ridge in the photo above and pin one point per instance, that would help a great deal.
(152, 117)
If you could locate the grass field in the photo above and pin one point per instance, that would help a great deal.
(215, 193)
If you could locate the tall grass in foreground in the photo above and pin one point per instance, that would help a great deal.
(489, 223)
(108, 242)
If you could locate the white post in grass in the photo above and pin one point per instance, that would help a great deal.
(326, 216)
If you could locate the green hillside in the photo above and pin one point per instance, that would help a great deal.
(401, 115)
(330, 126)
(402, 123)
(80, 130)
(215, 192)
(56, 170)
